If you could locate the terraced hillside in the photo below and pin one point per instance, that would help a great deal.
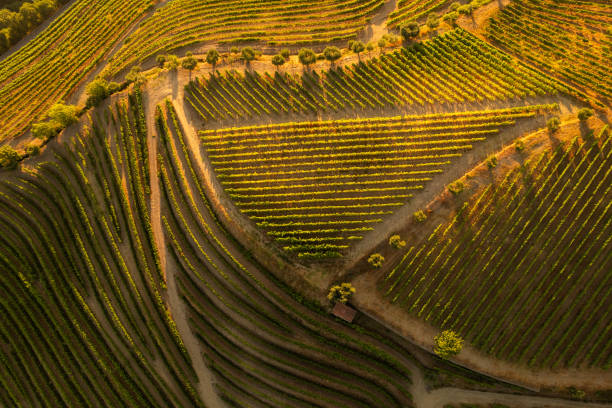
(569, 38)
(49, 67)
(182, 23)
(315, 187)
(453, 68)
(522, 271)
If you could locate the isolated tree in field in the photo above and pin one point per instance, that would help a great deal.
(8, 157)
(278, 60)
(247, 55)
(340, 293)
(332, 54)
(447, 344)
(161, 60)
(172, 62)
(376, 260)
(97, 90)
(397, 242)
(584, 114)
(285, 53)
(357, 47)
(63, 114)
(189, 63)
(307, 57)
(370, 47)
(410, 30)
(212, 57)
(553, 124)
(382, 43)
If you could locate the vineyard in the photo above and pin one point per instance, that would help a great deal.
(453, 68)
(522, 271)
(182, 23)
(291, 204)
(571, 39)
(315, 187)
(48, 68)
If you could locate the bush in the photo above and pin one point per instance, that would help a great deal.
(456, 187)
(451, 18)
(455, 5)
(8, 157)
(32, 149)
(410, 30)
(419, 216)
(161, 60)
(519, 145)
(376, 260)
(433, 21)
(492, 162)
(340, 293)
(553, 124)
(584, 114)
(396, 242)
(447, 344)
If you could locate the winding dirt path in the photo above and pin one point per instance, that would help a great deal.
(206, 378)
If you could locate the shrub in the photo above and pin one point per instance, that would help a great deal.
(433, 20)
(419, 216)
(447, 344)
(456, 187)
(553, 124)
(234, 50)
(396, 242)
(455, 5)
(410, 30)
(8, 157)
(63, 114)
(32, 149)
(519, 145)
(376, 260)
(451, 18)
(161, 60)
(492, 162)
(340, 293)
(584, 114)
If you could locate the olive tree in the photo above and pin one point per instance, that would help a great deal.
(332, 54)
(307, 57)
(212, 57)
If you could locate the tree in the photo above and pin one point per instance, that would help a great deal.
(247, 55)
(340, 293)
(584, 114)
(45, 130)
(382, 43)
(307, 56)
(332, 54)
(63, 114)
(161, 60)
(397, 242)
(135, 76)
(189, 63)
(447, 344)
(31, 16)
(553, 124)
(357, 47)
(419, 216)
(8, 157)
(492, 162)
(376, 260)
(410, 30)
(212, 57)
(370, 47)
(451, 18)
(433, 21)
(285, 53)
(278, 60)
(456, 188)
(172, 62)
(97, 90)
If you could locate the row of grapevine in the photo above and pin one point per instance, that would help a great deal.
(453, 68)
(264, 348)
(318, 186)
(50, 66)
(182, 23)
(523, 271)
(84, 321)
(568, 38)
